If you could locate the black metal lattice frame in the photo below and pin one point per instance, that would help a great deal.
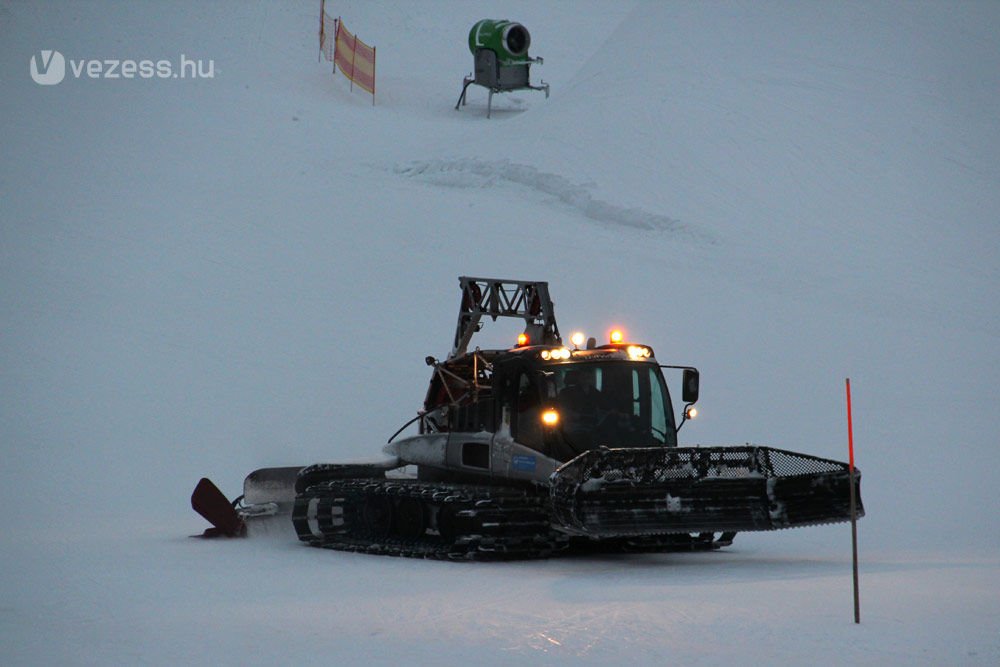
(495, 297)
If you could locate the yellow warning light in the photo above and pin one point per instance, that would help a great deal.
(550, 417)
(691, 413)
(522, 339)
(577, 338)
(617, 336)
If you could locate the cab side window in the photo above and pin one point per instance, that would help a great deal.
(528, 424)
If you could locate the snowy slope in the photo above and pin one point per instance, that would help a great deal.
(202, 277)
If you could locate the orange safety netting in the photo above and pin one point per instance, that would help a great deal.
(355, 59)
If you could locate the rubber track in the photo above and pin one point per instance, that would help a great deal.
(647, 491)
(488, 522)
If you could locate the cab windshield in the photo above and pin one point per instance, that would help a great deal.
(612, 404)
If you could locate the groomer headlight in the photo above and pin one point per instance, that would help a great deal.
(556, 354)
(638, 352)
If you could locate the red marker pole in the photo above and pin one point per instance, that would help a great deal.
(854, 506)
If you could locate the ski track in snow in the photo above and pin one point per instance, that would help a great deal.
(473, 173)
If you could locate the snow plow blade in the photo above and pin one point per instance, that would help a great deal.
(649, 491)
(266, 492)
(271, 492)
(208, 501)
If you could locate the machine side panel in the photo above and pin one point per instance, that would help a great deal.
(429, 449)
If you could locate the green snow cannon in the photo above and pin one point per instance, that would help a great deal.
(501, 61)
(507, 39)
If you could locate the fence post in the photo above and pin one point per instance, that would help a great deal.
(354, 53)
(322, 26)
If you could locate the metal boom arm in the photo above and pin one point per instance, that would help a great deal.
(505, 298)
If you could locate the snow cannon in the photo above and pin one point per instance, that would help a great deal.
(500, 59)
(507, 39)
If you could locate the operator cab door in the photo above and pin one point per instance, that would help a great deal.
(530, 392)
(519, 404)
(526, 419)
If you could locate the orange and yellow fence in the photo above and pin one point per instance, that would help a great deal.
(355, 59)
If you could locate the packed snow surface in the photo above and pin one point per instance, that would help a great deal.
(203, 276)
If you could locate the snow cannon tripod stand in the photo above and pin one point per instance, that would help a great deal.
(501, 61)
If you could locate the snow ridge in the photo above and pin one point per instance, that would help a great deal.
(473, 173)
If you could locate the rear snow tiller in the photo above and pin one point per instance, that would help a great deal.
(538, 449)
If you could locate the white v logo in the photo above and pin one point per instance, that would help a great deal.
(50, 69)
